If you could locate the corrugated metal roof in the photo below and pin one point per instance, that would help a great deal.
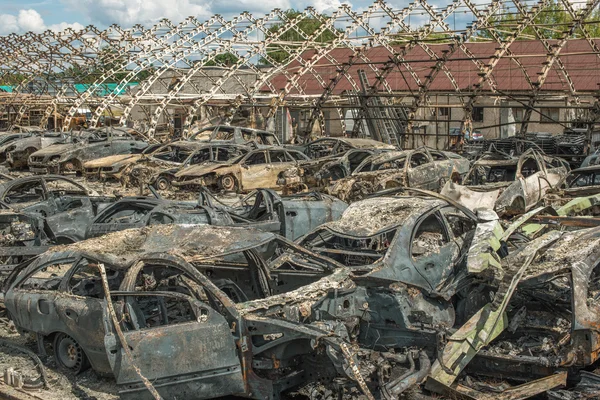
(577, 56)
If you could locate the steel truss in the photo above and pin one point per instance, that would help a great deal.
(166, 60)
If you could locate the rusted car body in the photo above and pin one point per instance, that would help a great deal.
(543, 320)
(66, 206)
(290, 216)
(513, 184)
(160, 175)
(330, 146)
(422, 168)
(582, 182)
(119, 167)
(69, 157)
(319, 173)
(18, 152)
(259, 168)
(181, 304)
(7, 139)
(236, 135)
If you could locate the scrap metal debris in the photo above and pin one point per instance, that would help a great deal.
(403, 292)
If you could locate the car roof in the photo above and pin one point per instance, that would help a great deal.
(589, 168)
(197, 241)
(371, 216)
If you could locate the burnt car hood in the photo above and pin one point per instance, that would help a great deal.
(56, 149)
(114, 160)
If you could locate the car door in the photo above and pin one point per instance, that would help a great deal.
(30, 196)
(256, 172)
(531, 174)
(433, 251)
(443, 165)
(421, 171)
(80, 307)
(191, 356)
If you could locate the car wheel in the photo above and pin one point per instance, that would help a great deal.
(163, 183)
(69, 355)
(229, 183)
(71, 166)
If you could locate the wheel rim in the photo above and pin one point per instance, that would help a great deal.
(162, 184)
(69, 353)
(228, 182)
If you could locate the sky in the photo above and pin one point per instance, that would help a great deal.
(20, 16)
(38, 15)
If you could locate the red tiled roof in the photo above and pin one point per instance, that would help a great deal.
(577, 56)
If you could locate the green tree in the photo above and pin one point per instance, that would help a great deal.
(223, 60)
(551, 22)
(307, 26)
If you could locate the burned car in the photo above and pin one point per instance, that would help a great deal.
(422, 168)
(257, 169)
(582, 182)
(18, 152)
(329, 146)
(119, 166)
(160, 175)
(289, 216)
(69, 157)
(66, 206)
(171, 288)
(511, 185)
(235, 134)
(542, 322)
(7, 139)
(320, 172)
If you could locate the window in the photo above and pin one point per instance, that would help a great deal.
(225, 153)
(296, 155)
(27, 192)
(86, 280)
(151, 311)
(200, 156)
(223, 133)
(429, 237)
(444, 111)
(549, 115)
(48, 277)
(256, 158)
(518, 114)
(64, 186)
(529, 167)
(279, 156)
(437, 156)
(266, 139)
(418, 159)
(126, 214)
(478, 114)
(458, 221)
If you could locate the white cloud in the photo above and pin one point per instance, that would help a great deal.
(147, 12)
(76, 26)
(30, 20)
(328, 6)
(8, 24)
